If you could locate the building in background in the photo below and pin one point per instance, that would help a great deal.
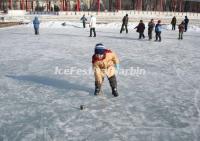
(101, 5)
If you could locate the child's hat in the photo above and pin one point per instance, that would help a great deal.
(99, 48)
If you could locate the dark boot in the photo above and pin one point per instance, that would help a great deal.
(35, 31)
(126, 29)
(122, 27)
(83, 24)
(113, 84)
(90, 32)
(97, 88)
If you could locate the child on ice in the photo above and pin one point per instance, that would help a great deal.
(84, 19)
(104, 62)
(151, 26)
(140, 29)
(181, 28)
(158, 30)
(36, 24)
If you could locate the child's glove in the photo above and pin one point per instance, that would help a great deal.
(117, 67)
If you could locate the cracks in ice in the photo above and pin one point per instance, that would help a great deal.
(180, 75)
(154, 130)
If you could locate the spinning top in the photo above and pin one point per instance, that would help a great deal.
(82, 107)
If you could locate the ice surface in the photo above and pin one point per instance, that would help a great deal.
(37, 105)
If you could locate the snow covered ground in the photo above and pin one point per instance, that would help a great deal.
(39, 104)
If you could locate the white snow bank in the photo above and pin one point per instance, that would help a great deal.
(114, 25)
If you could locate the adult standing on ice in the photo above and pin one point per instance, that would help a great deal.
(158, 30)
(173, 22)
(36, 24)
(140, 29)
(84, 19)
(92, 26)
(124, 23)
(151, 26)
(104, 62)
(186, 21)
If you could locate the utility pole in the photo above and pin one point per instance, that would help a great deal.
(139, 5)
(10, 5)
(0, 4)
(78, 5)
(110, 5)
(22, 4)
(161, 5)
(118, 5)
(99, 6)
(26, 5)
(67, 5)
(181, 6)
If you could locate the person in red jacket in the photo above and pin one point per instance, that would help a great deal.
(105, 62)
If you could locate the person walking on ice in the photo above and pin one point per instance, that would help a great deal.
(140, 29)
(84, 19)
(186, 22)
(151, 26)
(158, 30)
(181, 28)
(124, 23)
(36, 24)
(92, 26)
(105, 63)
(173, 22)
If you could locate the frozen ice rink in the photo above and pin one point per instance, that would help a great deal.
(40, 103)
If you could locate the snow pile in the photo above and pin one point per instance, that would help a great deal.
(59, 24)
(194, 28)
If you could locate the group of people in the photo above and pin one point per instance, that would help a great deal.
(185, 21)
(104, 61)
(92, 24)
(158, 27)
(140, 27)
(151, 25)
(182, 27)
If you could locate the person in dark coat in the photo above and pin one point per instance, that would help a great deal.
(84, 19)
(124, 23)
(181, 28)
(151, 26)
(186, 21)
(158, 30)
(140, 29)
(173, 22)
(36, 24)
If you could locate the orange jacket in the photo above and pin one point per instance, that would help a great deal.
(104, 66)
